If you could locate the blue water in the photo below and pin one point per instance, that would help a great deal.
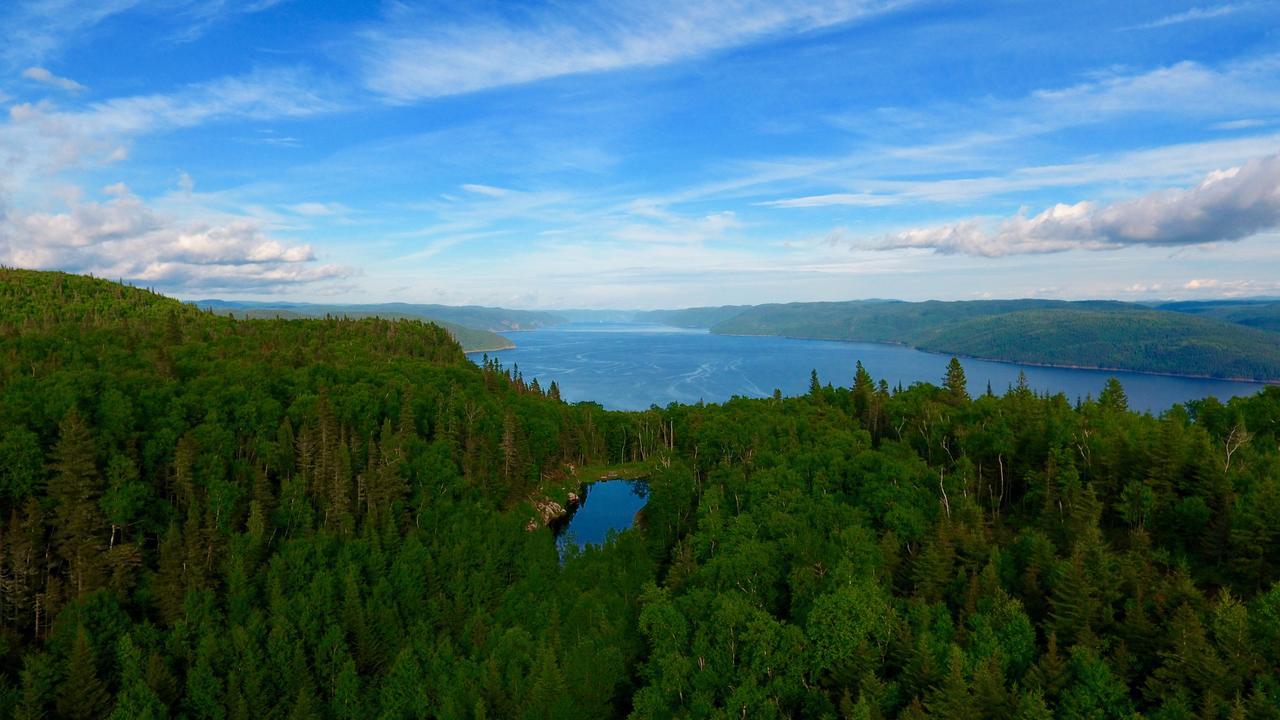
(633, 366)
(607, 505)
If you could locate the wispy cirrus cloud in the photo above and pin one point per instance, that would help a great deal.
(1192, 15)
(45, 77)
(1226, 205)
(941, 164)
(41, 139)
(414, 55)
(1240, 86)
(45, 27)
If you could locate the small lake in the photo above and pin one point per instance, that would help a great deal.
(607, 505)
(633, 366)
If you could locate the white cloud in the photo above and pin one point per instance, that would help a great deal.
(123, 237)
(489, 190)
(41, 140)
(1230, 288)
(1241, 124)
(855, 199)
(316, 209)
(665, 228)
(414, 55)
(45, 27)
(1195, 13)
(1226, 205)
(1237, 87)
(47, 24)
(43, 76)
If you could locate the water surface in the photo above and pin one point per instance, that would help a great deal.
(608, 505)
(633, 366)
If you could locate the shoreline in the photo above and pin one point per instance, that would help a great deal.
(943, 353)
(1058, 366)
(512, 346)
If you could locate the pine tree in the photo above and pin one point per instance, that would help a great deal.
(1113, 396)
(83, 695)
(135, 700)
(75, 488)
(863, 390)
(954, 382)
(952, 699)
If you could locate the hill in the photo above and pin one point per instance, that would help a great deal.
(1148, 341)
(210, 517)
(699, 317)
(1102, 334)
(471, 339)
(1261, 314)
(491, 319)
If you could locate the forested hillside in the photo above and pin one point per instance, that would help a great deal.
(1262, 314)
(471, 339)
(217, 518)
(1147, 340)
(472, 316)
(1100, 334)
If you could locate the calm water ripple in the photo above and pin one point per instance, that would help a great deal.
(632, 366)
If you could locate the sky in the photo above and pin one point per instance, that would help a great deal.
(623, 154)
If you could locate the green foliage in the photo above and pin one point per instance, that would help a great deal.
(1113, 335)
(220, 518)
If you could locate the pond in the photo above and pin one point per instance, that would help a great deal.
(606, 506)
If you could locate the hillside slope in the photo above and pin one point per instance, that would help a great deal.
(1148, 341)
(1261, 314)
(1100, 334)
(473, 316)
(471, 339)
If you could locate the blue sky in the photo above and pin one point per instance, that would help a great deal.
(645, 154)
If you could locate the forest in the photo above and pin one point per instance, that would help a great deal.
(1224, 339)
(211, 517)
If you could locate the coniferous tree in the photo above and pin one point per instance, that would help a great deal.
(955, 384)
(75, 488)
(83, 695)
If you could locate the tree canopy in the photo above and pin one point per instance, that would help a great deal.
(207, 517)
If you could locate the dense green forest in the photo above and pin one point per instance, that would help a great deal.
(471, 339)
(1147, 340)
(208, 517)
(1262, 314)
(1220, 340)
(472, 316)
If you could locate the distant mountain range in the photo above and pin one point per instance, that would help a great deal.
(1238, 339)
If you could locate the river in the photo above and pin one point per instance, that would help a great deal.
(633, 366)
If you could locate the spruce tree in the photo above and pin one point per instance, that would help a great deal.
(83, 695)
(954, 382)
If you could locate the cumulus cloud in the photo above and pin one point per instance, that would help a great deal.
(1226, 205)
(44, 77)
(412, 56)
(123, 237)
(1231, 288)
